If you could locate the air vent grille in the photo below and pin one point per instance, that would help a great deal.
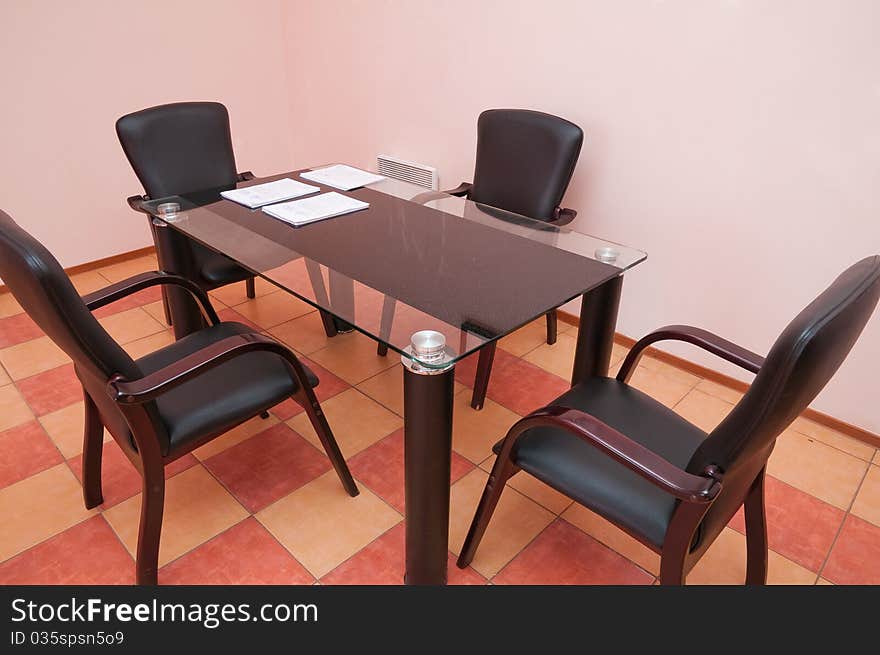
(408, 171)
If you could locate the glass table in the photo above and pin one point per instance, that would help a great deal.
(432, 277)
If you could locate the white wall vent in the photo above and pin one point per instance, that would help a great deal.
(408, 171)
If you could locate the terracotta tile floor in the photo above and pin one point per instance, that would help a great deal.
(262, 505)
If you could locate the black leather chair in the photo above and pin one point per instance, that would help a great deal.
(662, 480)
(525, 160)
(175, 149)
(163, 405)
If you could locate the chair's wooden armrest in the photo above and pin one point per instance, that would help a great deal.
(630, 453)
(704, 339)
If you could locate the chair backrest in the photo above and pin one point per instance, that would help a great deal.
(179, 148)
(43, 289)
(801, 362)
(525, 160)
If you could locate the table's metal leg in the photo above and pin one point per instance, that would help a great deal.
(427, 419)
(595, 339)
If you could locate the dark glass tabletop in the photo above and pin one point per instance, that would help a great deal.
(414, 260)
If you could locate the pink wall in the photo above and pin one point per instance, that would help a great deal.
(70, 69)
(735, 141)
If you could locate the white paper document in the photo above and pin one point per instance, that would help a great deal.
(265, 194)
(316, 208)
(343, 177)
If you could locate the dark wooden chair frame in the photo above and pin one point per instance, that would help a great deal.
(131, 396)
(695, 493)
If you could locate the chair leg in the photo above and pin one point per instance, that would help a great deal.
(501, 472)
(251, 288)
(756, 533)
(166, 307)
(264, 415)
(484, 370)
(672, 569)
(388, 306)
(93, 447)
(552, 320)
(150, 529)
(328, 441)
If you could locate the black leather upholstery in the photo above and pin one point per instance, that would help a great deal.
(800, 363)
(525, 160)
(215, 401)
(581, 472)
(181, 148)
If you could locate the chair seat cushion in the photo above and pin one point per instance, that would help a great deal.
(582, 472)
(218, 269)
(226, 395)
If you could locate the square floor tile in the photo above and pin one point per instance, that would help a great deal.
(126, 269)
(725, 563)
(523, 387)
(139, 299)
(799, 526)
(867, 505)
(356, 422)
(322, 526)
(267, 466)
(380, 467)
(531, 487)
(89, 553)
(833, 438)
(146, 345)
(720, 391)
(703, 410)
(65, 428)
(558, 358)
(661, 387)
(855, 558)
(236, 293)
(668, 370)
(517, 520)
(39, 507)
(120, 480)
(4, 378)
(245, 554)
(228, 315)
(383, 562)
(88, 281)
(130, 325)
(273, 309)
(613, 537)
(304, 334)
(474, 432)
(235, 436)
(9, 305)
(812, 466)
(197, 508)
(18, 329)
(32, 357)
(25, 450)
(353, 357)
(51, 390)
(563, 555)
(13, 409)
(386, 388)
(527, 338)
(466, 368)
